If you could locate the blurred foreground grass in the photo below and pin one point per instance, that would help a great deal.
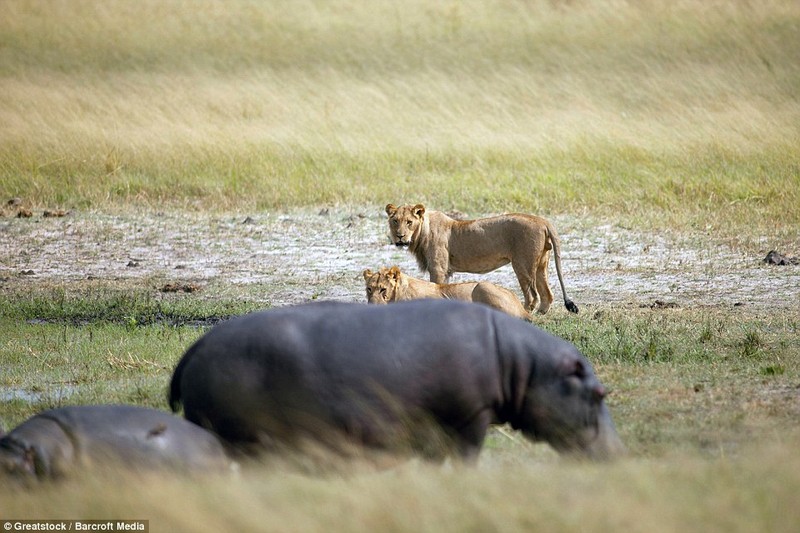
(754, 491)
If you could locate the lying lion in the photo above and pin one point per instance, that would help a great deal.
(391, 285)
(443, 245)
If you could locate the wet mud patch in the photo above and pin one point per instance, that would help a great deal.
(280, 258)
(140, 320)
(53, 394)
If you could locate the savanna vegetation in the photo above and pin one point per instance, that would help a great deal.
(652, 109)
(674, 118)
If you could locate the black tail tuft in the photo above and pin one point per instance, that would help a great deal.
(570, 305)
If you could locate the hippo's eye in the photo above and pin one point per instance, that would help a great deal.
(578, 370)
(573, 384)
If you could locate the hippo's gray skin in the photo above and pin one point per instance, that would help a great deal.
(52, 443)
(370, 375)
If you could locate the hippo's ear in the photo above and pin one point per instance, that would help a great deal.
(390, 209)
(575, 368)
(578, 369)
(419, 210)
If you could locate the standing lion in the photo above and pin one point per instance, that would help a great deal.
(443, 245)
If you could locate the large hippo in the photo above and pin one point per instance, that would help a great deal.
(54, 442)
(384, 376)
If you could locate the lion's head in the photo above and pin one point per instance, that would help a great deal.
(404, 222)
(382, 285)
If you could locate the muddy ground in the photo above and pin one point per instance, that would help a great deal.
(281, 258)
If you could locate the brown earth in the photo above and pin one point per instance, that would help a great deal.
(288, 257)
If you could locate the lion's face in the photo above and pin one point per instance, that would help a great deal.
(404, 222)
(381, 286)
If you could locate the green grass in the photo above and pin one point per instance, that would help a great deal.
(704, 380)
(705, 398)
(648, 110)
(133, 307)
(58, 364)
(698, 336)
(108, 345)
(654, 361)
(712, 436)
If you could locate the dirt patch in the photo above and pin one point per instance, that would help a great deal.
(774, 258)
(303, 254)
(180, 287)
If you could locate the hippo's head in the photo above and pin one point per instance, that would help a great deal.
(565, 407)
(15, 459)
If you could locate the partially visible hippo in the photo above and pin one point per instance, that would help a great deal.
(391, 378)
(53, 442)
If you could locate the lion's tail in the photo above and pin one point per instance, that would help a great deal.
(554, 240)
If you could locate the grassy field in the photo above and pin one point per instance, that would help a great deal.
(648, 109)
(678, 120)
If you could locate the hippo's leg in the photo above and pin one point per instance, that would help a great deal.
(470, 437)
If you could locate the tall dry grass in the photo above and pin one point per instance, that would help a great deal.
(656, 107)
(754, 492)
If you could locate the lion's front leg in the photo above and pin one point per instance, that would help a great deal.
(439, 268)
(439, 275)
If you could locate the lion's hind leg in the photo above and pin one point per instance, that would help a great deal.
(542, 285)
(528, 286)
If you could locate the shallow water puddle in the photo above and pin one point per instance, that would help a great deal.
(55, 394)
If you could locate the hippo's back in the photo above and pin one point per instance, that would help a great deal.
(342, 365)
(68, 437)
(154, 436)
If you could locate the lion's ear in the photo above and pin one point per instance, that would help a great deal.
(390, 209)
(394, 272)
(367, 274)
(419, 210)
